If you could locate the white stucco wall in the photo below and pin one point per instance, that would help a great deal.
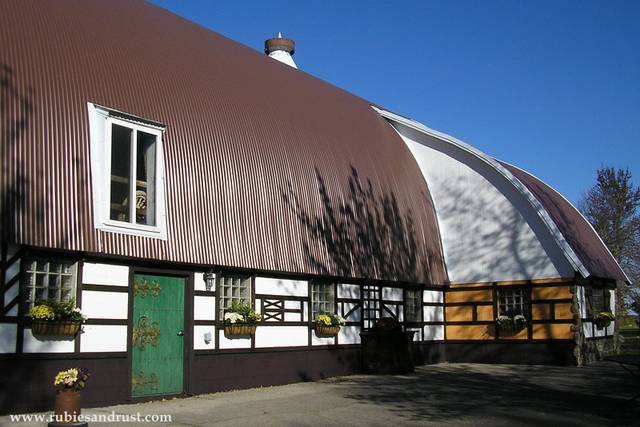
(204, 337)
(282, 336)
(8, 337)
(103, 338)
(105, 305)
(34, 345)
(271, 286)
(105, 274)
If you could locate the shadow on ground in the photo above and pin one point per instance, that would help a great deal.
(509, 394)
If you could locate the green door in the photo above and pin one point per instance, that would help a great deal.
(158, 341)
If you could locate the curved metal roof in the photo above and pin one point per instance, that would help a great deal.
(266, 167)
(584, 240)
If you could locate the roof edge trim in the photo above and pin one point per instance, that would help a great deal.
(542, 213)
(112, 112)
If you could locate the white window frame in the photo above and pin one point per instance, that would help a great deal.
(101, 120)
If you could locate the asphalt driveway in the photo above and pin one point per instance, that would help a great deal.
(443, 394)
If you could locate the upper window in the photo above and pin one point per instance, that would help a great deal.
(413, 305)
(512, 302)
(127, 172)
(46, 280)
(232, 288)
(322, 299)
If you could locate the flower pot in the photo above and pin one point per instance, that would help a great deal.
(239, 330)
(67, 406)
(327, 330)
(65, 328)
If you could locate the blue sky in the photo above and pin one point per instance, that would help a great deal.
(551, 86)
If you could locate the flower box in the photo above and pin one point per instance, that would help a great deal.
(326, 330)
(61, 320)
(239, 330)
(510, 325)
(604, 319)
(65, 328)
(328, 324)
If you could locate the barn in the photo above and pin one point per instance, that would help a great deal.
(155, 172)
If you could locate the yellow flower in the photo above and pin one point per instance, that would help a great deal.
(67, 378)
(324, 318)
(42, 312)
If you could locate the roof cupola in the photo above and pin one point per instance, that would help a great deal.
(281, 49)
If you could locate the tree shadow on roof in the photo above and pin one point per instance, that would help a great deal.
(362, 233)
(16, 111)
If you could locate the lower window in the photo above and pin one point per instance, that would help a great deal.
(413, 305)
(322, 299)
(598, 300)
(232, 289)
(512, 302)
(46, 280)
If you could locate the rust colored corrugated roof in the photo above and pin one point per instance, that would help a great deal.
(574, 227)
(266, 166)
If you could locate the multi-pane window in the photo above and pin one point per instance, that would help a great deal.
(232, 288)
(48, 281)
(371, 305)
(322, 299)
(132, 186)
(412, 305)
(512, 301)
(598, 300)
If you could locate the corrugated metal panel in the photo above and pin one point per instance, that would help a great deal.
(244, 135)
(574, 227)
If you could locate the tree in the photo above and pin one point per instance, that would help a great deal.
(612, 206)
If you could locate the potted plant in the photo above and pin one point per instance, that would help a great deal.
(328, 324)
(509, 325)
(241, 320)
(604, 319)
(56, 319)
(69, 383)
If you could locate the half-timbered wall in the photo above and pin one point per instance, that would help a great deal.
(103, 293)
(284, 307)
(284, 349)
(471, 310)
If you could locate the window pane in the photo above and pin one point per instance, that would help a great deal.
(120, 172)
(146, 179)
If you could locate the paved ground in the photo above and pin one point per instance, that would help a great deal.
(444, 394)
